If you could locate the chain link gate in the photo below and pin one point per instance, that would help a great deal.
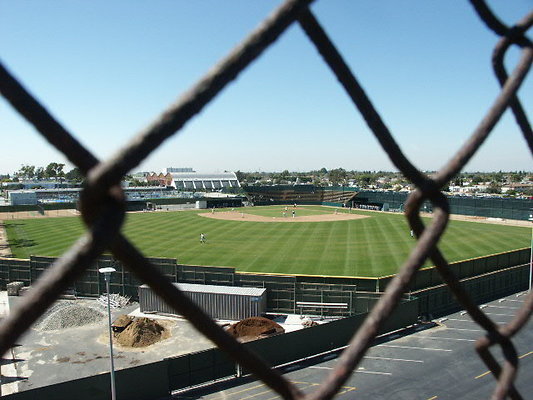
(102, 201)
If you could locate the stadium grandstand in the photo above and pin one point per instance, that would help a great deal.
(489, 207)
(71, 195)
(198, 181)
(188, 179)
(172, 183)
(300, 194)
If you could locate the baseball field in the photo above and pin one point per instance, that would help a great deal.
(315, 240)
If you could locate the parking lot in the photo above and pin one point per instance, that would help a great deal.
(432, 363)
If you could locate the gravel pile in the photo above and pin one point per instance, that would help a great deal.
(69, 315)
(115, 301)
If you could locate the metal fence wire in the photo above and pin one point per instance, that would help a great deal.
(103, 205)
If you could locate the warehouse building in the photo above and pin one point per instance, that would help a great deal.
(219, 302)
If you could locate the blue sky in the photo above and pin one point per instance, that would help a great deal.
(106, 69)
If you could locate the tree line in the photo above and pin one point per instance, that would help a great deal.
(53, 170)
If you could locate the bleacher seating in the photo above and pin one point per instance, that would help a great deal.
(300, 194)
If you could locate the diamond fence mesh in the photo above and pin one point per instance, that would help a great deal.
(103, 205)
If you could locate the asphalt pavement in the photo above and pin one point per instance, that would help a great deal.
(427, 364)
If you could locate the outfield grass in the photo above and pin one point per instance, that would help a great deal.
(373, 246)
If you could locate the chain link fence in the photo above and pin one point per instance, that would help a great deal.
(103, 203)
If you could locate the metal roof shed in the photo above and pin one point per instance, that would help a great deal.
(220, 302)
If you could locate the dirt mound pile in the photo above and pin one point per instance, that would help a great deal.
(121, 323)
(141, 332)
(253, 328)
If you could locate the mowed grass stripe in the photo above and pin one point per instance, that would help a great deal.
(348, 267)
(297, 258)
(478, 241)
(231, 240)
(297, 248)
(372, 246)
(34, 239)
(390, 247)
(254, 241)
(329, 251)
(402, 230)
(276, 249)
(227, 239)
(369, 267)
(303, 248)
(473, 245)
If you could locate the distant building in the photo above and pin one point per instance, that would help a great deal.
(140, 176)
(159, 179)
(173, 169)
(20, 197)
(518, 187)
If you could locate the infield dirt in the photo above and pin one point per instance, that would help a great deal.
(238, 216)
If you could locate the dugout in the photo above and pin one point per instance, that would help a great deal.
(224, 202)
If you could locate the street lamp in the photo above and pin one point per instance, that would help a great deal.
(531, 255)
(107, 271)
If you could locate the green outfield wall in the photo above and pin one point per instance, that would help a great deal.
(38, 207)
(132, 205)
(284, 292)
(438, 300)
(490, 207)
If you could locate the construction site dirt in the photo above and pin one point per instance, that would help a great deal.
(46, 356)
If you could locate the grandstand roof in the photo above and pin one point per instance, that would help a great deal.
(203, 176)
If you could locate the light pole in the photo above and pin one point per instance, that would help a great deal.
(107, 271)
(531, 254)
